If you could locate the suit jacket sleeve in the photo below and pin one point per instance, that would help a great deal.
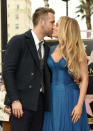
(10, 65)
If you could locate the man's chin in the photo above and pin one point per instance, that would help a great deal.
(49, 35)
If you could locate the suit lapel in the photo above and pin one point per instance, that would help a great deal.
(32, 47)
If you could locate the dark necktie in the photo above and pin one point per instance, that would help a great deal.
(41, 64)
(39, 51)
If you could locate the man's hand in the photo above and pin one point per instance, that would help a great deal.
(17, 109)
(77, 81)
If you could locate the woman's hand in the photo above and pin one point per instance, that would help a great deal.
(76, 113)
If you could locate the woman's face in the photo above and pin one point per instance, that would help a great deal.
(55, 30)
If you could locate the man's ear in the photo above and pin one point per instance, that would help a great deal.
(42, 21)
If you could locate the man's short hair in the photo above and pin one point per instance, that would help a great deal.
(41, 12)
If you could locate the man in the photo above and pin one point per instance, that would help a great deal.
(26, 74)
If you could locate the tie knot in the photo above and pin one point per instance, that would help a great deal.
(39, 50)
(41, 42)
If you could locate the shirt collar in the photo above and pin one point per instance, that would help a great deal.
(36, 39)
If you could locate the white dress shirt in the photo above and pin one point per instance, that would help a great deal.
(36, 40)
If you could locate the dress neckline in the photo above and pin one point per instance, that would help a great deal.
(53, 48)
(54, 60)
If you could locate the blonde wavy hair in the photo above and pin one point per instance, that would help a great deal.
(72, 47)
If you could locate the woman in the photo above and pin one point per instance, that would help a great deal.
(67, 61)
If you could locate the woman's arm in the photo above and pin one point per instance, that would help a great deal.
(77, 111)
(84, 82)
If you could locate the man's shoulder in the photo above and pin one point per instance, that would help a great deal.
(20, 38)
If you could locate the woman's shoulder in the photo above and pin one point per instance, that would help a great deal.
(52, 48)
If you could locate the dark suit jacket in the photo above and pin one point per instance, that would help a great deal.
(21, 72)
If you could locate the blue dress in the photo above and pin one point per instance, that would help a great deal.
(64, 97)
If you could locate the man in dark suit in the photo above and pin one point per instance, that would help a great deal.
(26, 74)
